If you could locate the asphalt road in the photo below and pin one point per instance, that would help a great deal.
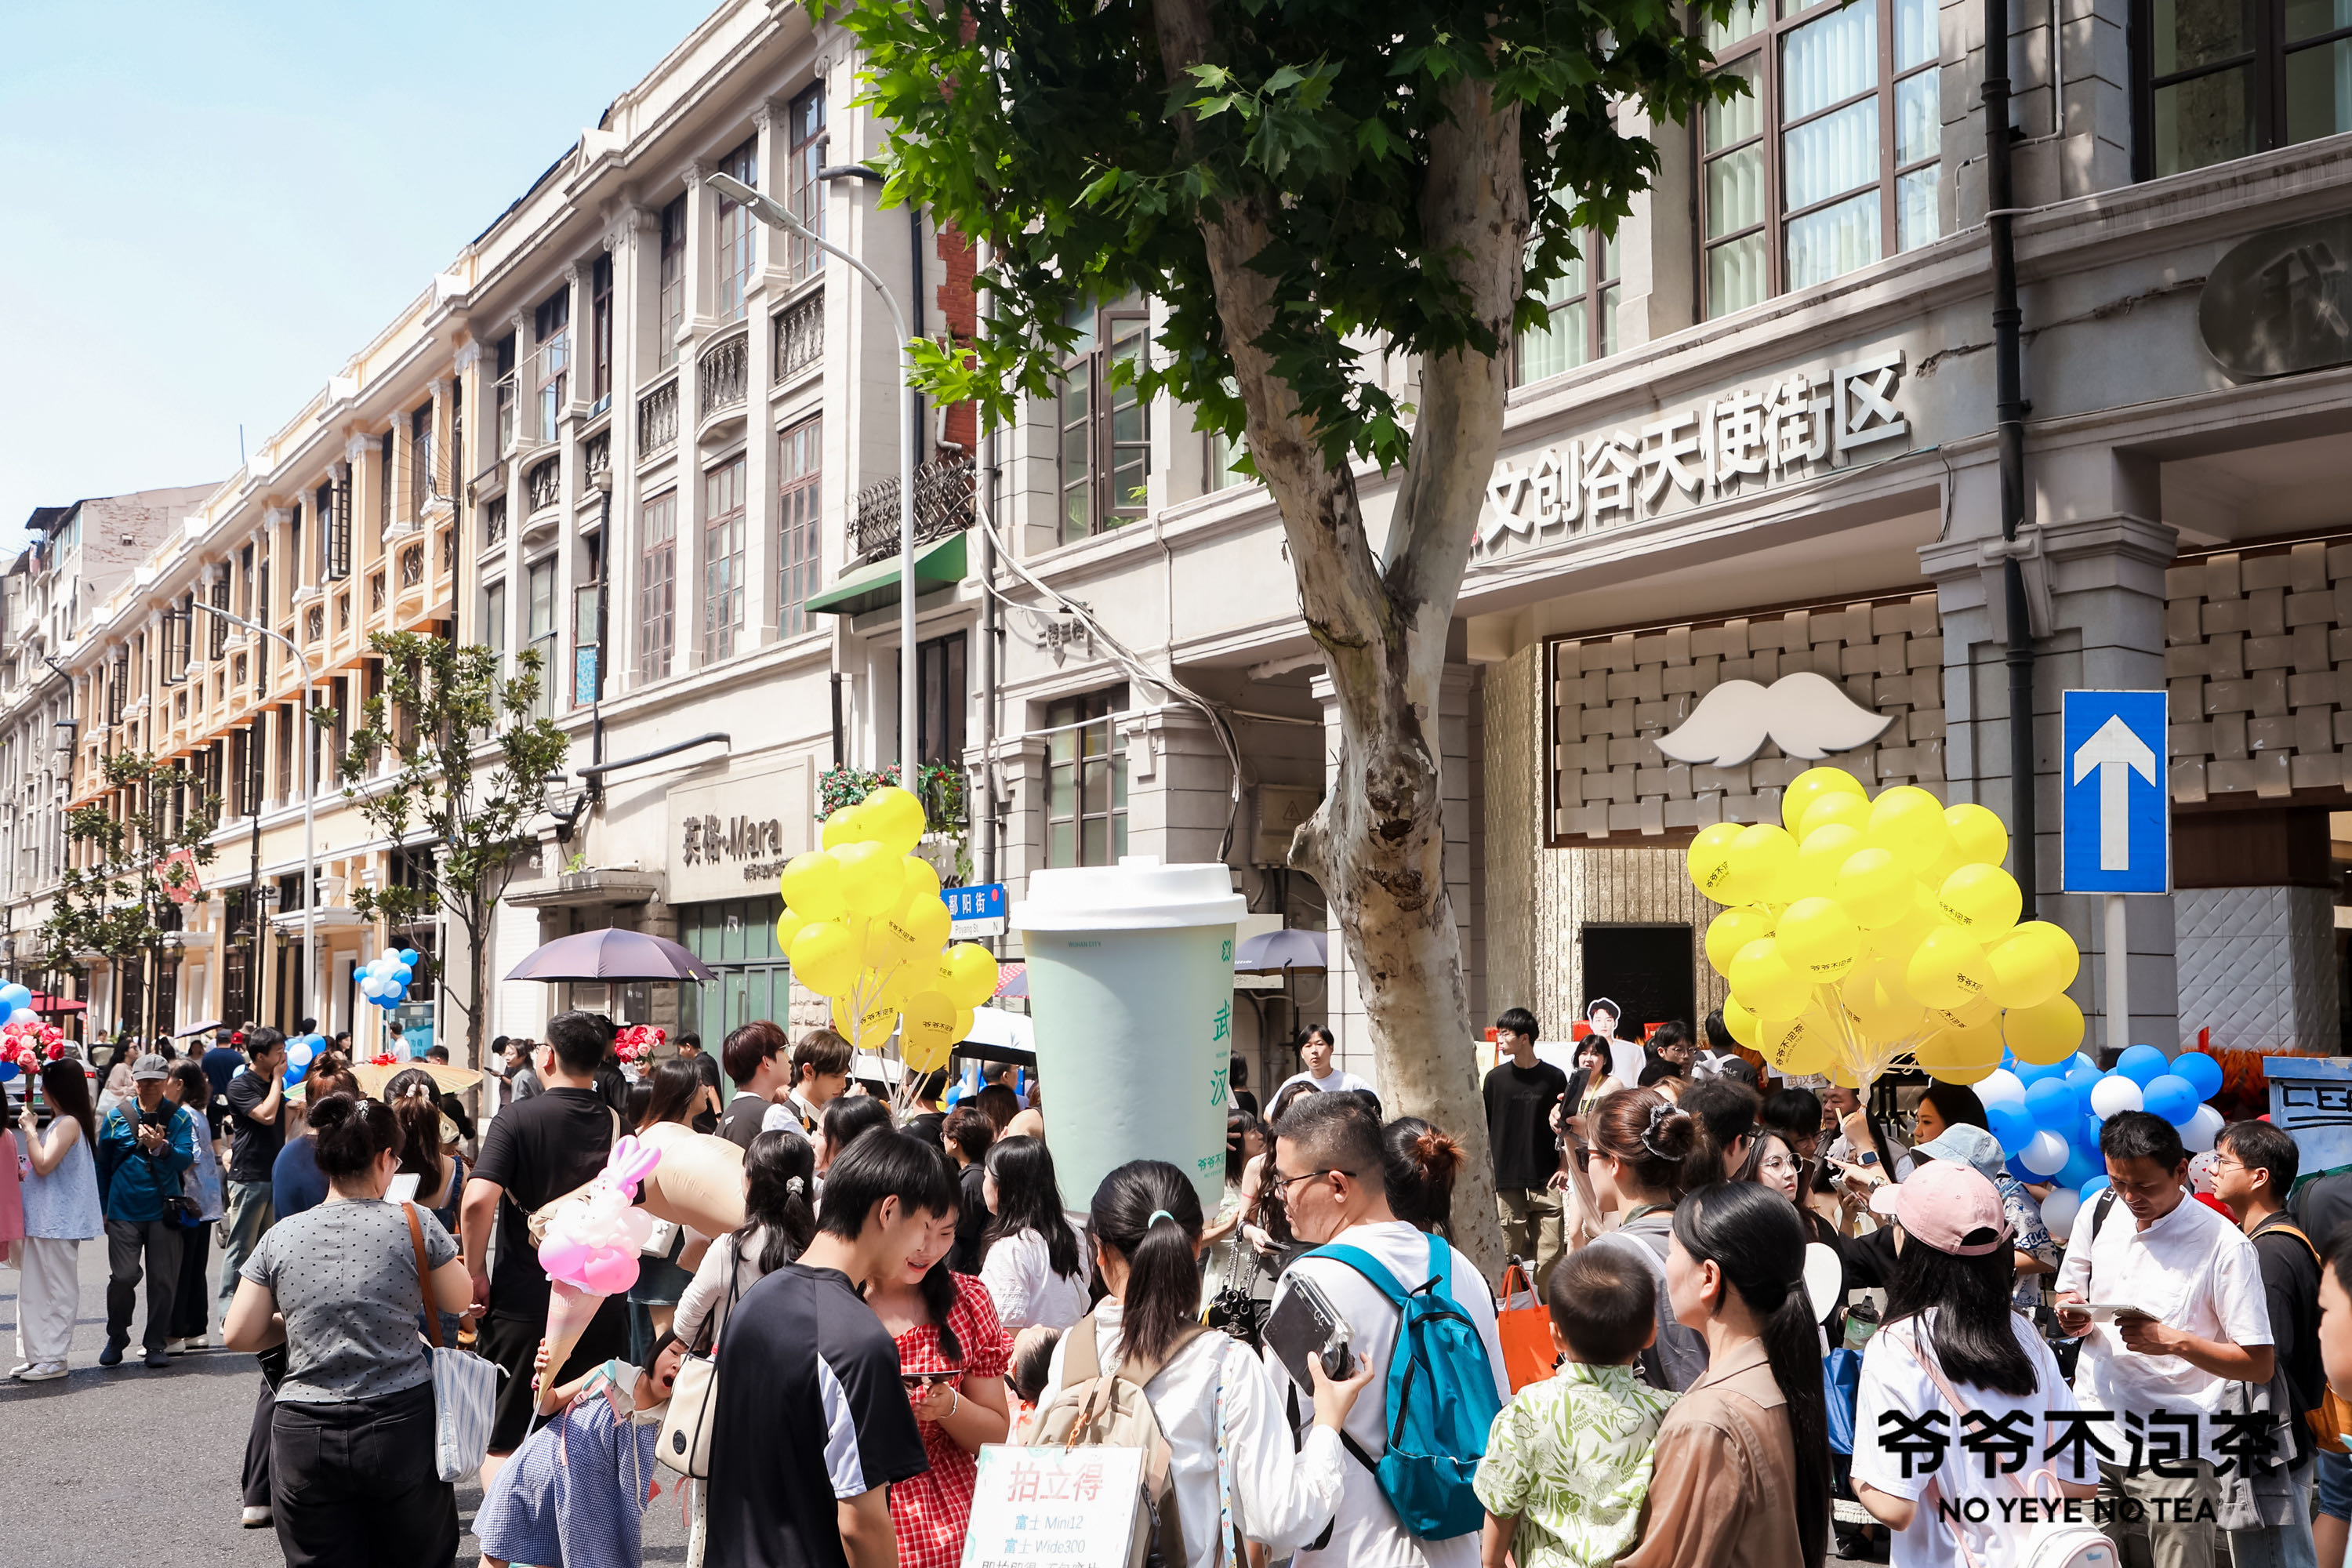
(133, 1467)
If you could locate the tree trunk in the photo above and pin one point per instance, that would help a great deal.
(1377, 845)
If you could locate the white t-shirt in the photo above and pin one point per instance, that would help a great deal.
(2193, 1270)
(1368, 1533)
(1337, 1082)
(1626, 1061)
(1019, 1274)
(1894, 1380)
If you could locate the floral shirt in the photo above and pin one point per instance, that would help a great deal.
(2026, 1235)
(1571, 1458)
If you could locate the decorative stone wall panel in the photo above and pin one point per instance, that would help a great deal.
(2258, 663)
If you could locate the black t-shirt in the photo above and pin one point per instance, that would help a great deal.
(2291, 1289)
(253, 1145)
(2324, 1208)
(809, 1413)
(971, 1219)
(740, 1123)
(1519, 1108)
(925, 1126)
(707, 1069)
(538, 1149)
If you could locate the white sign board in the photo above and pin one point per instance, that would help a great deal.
(1070, 1508)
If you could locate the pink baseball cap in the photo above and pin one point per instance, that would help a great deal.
(1942, 1204)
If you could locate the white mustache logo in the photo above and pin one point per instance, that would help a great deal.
(1804, 714)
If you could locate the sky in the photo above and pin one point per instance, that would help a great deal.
(206, 208)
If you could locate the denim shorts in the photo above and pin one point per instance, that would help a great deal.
(2334, 1485)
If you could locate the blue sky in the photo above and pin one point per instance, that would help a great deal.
(205, 207)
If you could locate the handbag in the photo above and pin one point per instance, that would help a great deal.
(1841, 1392)
(465, 1386)
(684, 1444)
(1524, 1327)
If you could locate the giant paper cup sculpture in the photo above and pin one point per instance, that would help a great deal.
(1863, 933)
(1131, 988)
(590, 1249)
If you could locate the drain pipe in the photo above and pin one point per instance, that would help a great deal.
(2008, 411)
(981, 803)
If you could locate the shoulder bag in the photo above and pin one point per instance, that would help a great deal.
(685, 1443)
(465, 1386)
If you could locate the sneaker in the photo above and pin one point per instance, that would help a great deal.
(21, 1368)
(254, 1519)
(112, 1354)
(175, 1347)
(157, 1358)
(45, 1371)
(202, 1341)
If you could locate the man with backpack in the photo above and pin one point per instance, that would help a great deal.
(1412, 1302)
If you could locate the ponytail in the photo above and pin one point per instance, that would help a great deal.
(1418, 1165)
(1146, 1212)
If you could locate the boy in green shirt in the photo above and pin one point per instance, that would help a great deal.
(1568, 1460)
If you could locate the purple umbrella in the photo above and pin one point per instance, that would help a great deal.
(611, 954)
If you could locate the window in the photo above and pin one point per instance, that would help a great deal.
(335, 533)
(506, 383)
(806, 194)
(2227, 78)
(587, 617)
(722, 560)
(284, 726)
(1086, 780)
(1828, 162)
(539, 635)
(1106, 433)
(736, 236)
(797, 459)
(1224, 453)
(420, 460)
(1583, 325)
(600, 334)
(658, 588)
(940, 689)
(671, 303)
(552, 328)
(494, 621)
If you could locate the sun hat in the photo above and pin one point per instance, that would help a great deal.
(1943, 1205)
(1961, 1144)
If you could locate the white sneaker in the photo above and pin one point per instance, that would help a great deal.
(45, 1371)
(254, 1519)
(21, 1368)
(175, 1347)
(199, 1341)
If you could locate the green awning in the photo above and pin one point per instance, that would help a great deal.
(872, 586)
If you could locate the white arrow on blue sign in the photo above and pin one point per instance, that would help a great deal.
(2115, 809)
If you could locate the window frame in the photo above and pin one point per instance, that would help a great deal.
(658, 594)
(735, 245)
(538, 629)
(1764, 45)
(2264, 63)
(669, 285)
(1070, 723)
(1100, 443)
(600, 334)
(1596, 299)
(800, 494)
(805, 135)
(552, 354)
(722, 569)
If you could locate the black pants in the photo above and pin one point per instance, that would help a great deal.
(352, 1485)
(513, 1344)
(257, 1436)
(132, 1245)
(192, 1304)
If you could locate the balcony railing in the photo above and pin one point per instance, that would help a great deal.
(726, 370)
(412, 567)
(657, 419)
(596, 453)
(541, 485)
(800, 336)
(943, 506)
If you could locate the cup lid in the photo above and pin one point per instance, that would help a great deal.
(1137, 894)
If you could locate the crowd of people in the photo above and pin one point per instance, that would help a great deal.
(1752, 1321)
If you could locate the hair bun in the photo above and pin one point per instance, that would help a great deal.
(330, 1111)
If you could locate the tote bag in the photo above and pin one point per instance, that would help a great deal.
(685, 1442)
(465, 1386)
(1524, 1326)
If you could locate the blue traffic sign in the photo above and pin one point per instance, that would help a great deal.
(2115, 801)
(985, 901)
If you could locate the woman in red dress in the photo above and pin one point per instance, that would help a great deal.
(952, 1357)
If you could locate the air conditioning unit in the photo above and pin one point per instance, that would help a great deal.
(1280, 809)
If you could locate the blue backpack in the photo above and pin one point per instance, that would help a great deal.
(1441, 1400)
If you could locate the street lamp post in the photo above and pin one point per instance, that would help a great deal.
(775, 215)
(310, 803)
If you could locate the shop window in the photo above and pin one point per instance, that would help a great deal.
(1086, 780)
(798, 476)
(2224, 79)
(1829, 161)
(1104, 426)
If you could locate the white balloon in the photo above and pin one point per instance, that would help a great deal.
(2000, 1087)
(2059, 1209)
(298, 1055)
(2046, 1155)
(2198, 1136)
(2113, 1095)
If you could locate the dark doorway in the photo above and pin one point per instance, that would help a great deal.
(1646, 970)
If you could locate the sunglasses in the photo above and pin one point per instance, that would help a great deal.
(923, 1381)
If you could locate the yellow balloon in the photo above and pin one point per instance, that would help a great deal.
(1746, 1026)
(927, 921)
(894, 818)
(872, 882)
(1873, 992)
(2062, 947)
(928, 1030)
(968, 974)
(1982, 901)
(1909, 823)
(1763, 858)
(1968, 1015)
(1819, 940)
(1959, 1055)
(1873, 889)
(1902, 939)
(1812, 786)
(844, 826)
(1977, 834)
(810, 884)
(2031, 964)
(1802, 1044)
(962, 1029)
(1840, 1073)
(2044, 1033)
(788, 926)
(1820, 857)
(1947, 970)
(895, 985)
(874, 1026)
(1731, 930)
(1843, 810)
(888, 942)
(1763, 979)
(826, 957)
(1711, 860)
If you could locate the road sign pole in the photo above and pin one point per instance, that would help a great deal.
(2118, 974)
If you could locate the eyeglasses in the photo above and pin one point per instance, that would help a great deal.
(1283, 1183)
(923, 1381)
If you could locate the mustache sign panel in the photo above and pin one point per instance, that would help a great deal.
(1804, 714)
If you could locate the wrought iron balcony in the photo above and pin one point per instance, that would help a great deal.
(726, 371)
(943, 491)
(657, 419)
(542, 484)
(800, 336)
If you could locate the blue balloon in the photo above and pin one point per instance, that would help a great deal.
(2079, 1060)
(2203, 1073)
(2053, 1107)
(295, 1075)
(2142, 1063)
(13, 996)
(2081, 1076)
(8, 1071)
(2081, 1169)
(2093, 1187)
(2086, 1134)
(2170, 1098)
(409, 955)
(2010, 1124)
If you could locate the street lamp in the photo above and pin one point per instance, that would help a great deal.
(775, 215)
(310, 803)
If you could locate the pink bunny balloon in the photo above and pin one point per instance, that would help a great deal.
(591, 1243)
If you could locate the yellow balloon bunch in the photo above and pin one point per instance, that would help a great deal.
(1860, 932)
(865, 927)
